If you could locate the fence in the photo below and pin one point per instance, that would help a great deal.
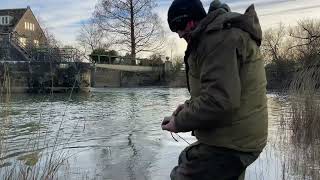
(43, 53)
(124, 60)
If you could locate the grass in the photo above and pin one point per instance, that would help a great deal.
(303, 120)
(43, 160)
(5, 98)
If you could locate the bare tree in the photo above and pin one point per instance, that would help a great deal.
(273, 43)
(51, 40)
(92, 37)
(306, 38)
(172, 46)
(131, 23)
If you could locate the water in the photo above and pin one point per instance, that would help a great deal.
(114, 133)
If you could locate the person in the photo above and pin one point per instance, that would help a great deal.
(227, 111)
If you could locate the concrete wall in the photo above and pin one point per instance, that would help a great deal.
(106, 75)
(106, 78)
(17, 74)
(177, 79)
(136, 79)
(130, 68)
(102, 77)
(37, 77)
(168, 67)
(85, 77)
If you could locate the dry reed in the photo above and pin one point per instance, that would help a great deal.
(303, 121)
(43, 161)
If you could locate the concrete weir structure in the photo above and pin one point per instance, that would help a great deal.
(116, 71)
(113, 75)
(28, 63)
(44, 77)
(40, 69)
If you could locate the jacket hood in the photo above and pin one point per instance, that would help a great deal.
(221, 18)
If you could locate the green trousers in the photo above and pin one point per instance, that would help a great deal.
(203, 162)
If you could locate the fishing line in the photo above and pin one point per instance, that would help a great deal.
(179, 137)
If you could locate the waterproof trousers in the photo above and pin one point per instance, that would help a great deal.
(203, 162)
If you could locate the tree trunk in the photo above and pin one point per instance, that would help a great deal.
(133, 40)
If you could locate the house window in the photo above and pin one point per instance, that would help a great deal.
(4, 20)
(29, 26)
(23, 41)
(36, 43)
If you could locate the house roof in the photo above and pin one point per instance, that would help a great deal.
(16, 14)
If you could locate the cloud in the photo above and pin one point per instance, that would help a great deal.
(293, 10)
(63, 17)
(60, 16)
(271, 12)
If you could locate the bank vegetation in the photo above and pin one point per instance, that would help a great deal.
(293, 67)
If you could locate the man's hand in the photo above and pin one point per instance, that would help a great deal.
(179, 108)
(168, 124)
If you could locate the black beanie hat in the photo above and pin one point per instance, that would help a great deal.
(182, 11)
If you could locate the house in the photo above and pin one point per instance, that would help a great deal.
(23, 25)
(32, 64)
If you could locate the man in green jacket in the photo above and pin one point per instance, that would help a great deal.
(227, 111)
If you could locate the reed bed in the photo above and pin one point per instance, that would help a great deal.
(43, 159)
(303, 122)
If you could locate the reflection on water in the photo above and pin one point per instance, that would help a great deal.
(115, 134)
(303, 114)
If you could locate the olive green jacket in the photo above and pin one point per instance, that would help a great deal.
(227, 83)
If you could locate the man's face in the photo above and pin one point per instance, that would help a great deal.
(186, 32)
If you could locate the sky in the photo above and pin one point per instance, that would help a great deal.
(64, 17)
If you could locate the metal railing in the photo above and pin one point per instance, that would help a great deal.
(42, 53)
(121, 60)
(14, 39)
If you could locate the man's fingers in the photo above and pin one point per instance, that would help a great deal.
(165, 121)
(179, 108)
(167, 128)
(168, 124)
(164, 127)
(174, 113)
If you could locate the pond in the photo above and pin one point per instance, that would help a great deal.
(115, 134)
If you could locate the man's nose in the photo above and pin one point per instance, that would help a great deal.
(180, 33)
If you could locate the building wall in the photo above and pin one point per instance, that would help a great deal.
(31, 35)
